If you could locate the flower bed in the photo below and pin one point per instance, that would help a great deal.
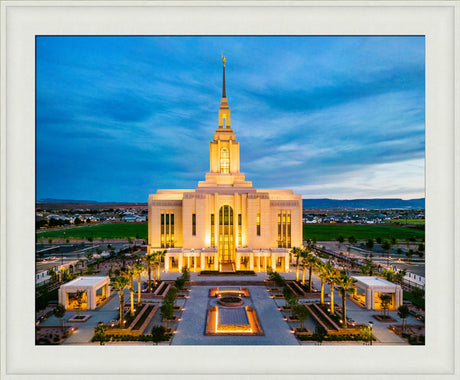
(236, 273)
(334, 338)
(79, 318)
(230, 301)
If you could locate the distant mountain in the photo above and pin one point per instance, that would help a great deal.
(377, 203)
(52, 200)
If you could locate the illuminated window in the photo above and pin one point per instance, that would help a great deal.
(226, 244)
(213, 231)
(258, 224)
(284, 229)
(240, 235)
(167, 229)
(224, 161)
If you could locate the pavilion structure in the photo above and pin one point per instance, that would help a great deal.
(96, 290)
(369, 289)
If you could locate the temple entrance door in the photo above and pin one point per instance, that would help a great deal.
(226, 239)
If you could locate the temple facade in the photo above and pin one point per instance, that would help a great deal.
(225, 223)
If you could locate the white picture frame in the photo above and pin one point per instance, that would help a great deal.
(22, 20)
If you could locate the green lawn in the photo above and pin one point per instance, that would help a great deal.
(408, 221)
(332, 231)
(321, 232)
(98, 231)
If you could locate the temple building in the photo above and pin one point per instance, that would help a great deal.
(225, 224)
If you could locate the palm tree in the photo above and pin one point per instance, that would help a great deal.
(322, 271)
(119, 284)
(331, 278)
(129, 274)
(297, 252)
(149, 259)
(138, 270)
(345, 284)
(311, 262)
(52, 273)
(304, 256)
(157, 264)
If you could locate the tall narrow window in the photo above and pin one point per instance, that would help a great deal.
(258, 224)
(213, 231)
(224, 161)
(284, 229)
(194, 224)
(240, 228)
(167, 229)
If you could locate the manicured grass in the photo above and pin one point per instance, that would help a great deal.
(409, 221)
(360, 232)
(98, 231)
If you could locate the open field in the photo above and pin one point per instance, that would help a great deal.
(99, 231)
(320, 231)
(360, 232)
(408, 221)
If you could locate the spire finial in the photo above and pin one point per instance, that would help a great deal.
(224, 95)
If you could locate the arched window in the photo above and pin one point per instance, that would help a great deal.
(224, 160)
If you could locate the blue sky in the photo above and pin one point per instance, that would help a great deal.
(329, 117)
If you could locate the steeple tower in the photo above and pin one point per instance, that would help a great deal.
(224, 110)
(224, 153)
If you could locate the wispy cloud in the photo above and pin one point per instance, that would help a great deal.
(119, 117)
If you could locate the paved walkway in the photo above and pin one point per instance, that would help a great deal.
(190, 330)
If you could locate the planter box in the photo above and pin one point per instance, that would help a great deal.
(301, 331)
(79, 319)
(174, 320)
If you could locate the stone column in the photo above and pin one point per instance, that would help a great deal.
(273, 262)
(194, 263)
(202, 261)
(216, 261)
(251, 260)
(258, 263)
(167, 262)
(91, 298)
(286, 262)
(238, 260)
(369, 299)
(180, 261)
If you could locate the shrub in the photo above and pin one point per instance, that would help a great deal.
(158, 333)
(180, 283)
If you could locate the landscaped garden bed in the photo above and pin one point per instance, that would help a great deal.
(52, 335)
(415, 334)
(384, 318)
(79, 318)
(133, 338)
(229, 301)
(335, 338)
(236, 273)
(174, 319)
(299, 331)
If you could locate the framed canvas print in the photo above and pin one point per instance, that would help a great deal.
(229, 188)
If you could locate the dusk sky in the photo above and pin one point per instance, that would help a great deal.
(329, 117)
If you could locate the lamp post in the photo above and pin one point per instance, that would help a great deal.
(371, 324)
